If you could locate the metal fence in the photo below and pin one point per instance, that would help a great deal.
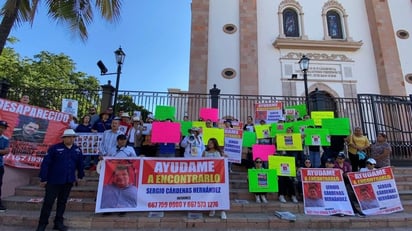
(374, 113)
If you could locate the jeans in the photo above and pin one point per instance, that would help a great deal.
(315, 159)
(53, 191)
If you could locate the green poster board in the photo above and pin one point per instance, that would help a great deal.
(300, 126)
(249, 139)
(337, 126)
(185, 126)
(301, 109)
(317, 137)
(262, 180)
(277, 128)
(165, 112)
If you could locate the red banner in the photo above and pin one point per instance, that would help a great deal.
(31, 131)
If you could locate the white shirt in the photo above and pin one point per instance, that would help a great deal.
(109, 142)
(125, 152)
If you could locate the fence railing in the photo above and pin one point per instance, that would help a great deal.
(372, 112)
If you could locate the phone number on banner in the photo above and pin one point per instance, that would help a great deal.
(183, 204)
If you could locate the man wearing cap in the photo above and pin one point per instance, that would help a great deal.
(4, 150)
(122, 150)
(57, 175)
(370, 165)
(193, 144)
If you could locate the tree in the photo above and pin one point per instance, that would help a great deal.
(76, 14)
(125, 103)
(47, 79)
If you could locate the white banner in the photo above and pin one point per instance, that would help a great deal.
(233, 145)
(324, 192)
(163, 184)
(376, 191)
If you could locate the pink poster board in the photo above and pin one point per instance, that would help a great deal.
(263, 151)
(209, 113)
(165, 132)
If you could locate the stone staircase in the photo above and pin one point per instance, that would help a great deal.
(24, 210)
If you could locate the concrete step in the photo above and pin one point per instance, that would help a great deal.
(87, 180)
(83, 191)
(235, 221)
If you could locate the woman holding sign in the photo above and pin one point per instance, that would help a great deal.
(213, 151)
(357, 144)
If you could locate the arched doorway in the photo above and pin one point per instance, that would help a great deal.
(322, 101)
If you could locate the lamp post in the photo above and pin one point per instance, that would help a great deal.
(119, 55)
(304, 67)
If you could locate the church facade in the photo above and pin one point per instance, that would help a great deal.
(253, 47)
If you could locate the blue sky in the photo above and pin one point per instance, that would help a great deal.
(154, 34)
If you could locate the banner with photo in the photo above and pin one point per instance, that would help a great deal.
(269, 112)
(89, 143)
(233, 145)
(376, 191)
(31, 131)
(163, 184)
(324, 192)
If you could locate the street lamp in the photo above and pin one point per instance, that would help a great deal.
(119, 55)
(304, 67)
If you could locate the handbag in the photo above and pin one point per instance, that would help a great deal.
(361, 155)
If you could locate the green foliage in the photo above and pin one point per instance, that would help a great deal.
(48, 78)
(125, 103)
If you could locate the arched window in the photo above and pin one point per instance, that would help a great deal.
(334, 25)
(290, 23)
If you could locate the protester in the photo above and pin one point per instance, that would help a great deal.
(135, 135)
(109, 139)
(287, 186)
(57, 175)
(357, 144)
(307, 164)
(193, 144)
(260, 196)
(122, 149)
(120, 193)
(370, 165)
(4, 150)
(345, 167)
(167, 149)
(149, 148)
(213, 151)
(25, 99)
(381, 151)
(103, 123)
(93, 115)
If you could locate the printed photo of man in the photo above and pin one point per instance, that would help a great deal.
(30, 129)
(313, 195)
(367, 199)
(120, 192)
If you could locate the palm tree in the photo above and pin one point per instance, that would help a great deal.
(76, 14)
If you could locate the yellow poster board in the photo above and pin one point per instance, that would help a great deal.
(284, 165)
(263, 131)
(217, 133)
(317, 116)
(289, 142)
